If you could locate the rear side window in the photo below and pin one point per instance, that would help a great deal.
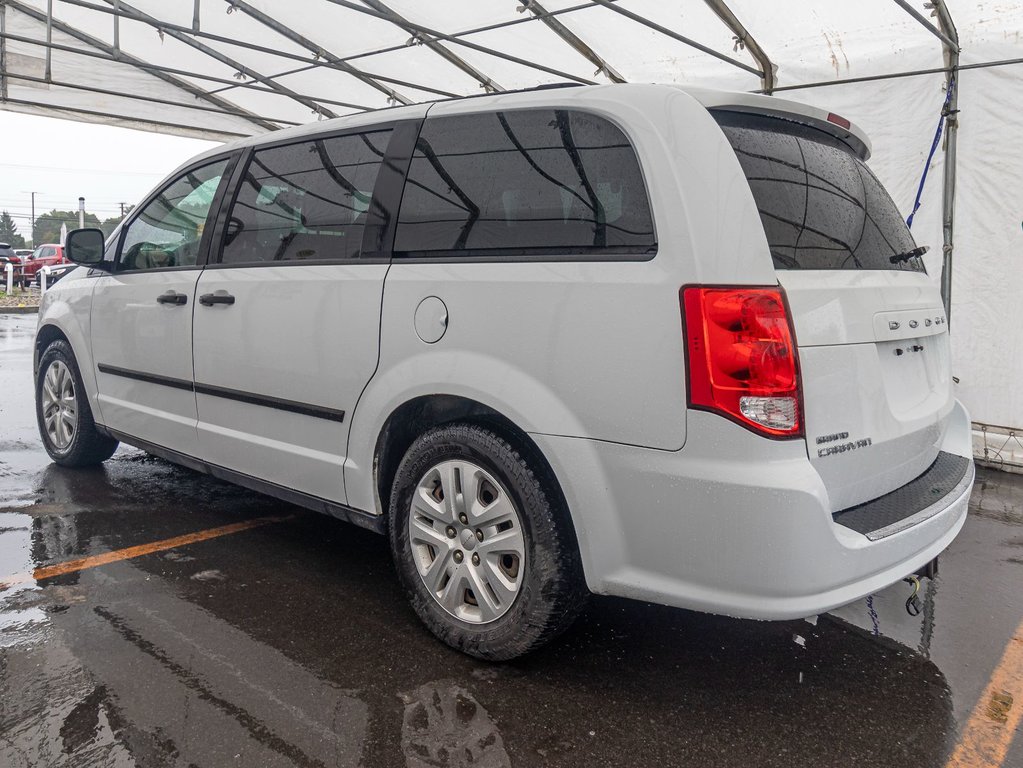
(305, 202)
(821, 206)
(541, 182)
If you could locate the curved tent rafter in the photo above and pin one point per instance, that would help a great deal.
(285, 31)
(744, 39)
(125, 58)
(137, 15)
(488, 83)
(309, 62)
(425, 35)
(562, 31)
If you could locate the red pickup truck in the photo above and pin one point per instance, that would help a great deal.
(46, 255)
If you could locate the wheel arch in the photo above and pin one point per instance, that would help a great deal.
(420, 414)
(45, 336)
(63, 320)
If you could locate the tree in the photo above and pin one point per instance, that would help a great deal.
(9, 231)
(108, 225)
(47, 226)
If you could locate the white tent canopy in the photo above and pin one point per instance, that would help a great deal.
(226, 68)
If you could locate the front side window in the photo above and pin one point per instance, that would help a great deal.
(306, 201)
(530, 182)
(168, 231)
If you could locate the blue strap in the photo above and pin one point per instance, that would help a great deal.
(934, 148)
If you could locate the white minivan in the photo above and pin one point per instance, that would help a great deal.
(665, 343)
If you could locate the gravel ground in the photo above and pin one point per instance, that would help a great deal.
(19, 299)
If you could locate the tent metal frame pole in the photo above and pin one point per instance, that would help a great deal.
(136, 15)
(743, 38)
(115, 55)
(3, 51)
(193, 130)
(485, 81)
(558, 28)
(288, 33)
(157, 70)
(148, 99)
(455, 37)
(49, 38)
(938, 33)
(421, 35)
(897, 75)
(948, 195)
(311, 62)
(676, 36)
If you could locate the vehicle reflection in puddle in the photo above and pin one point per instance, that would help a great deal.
(303, 652)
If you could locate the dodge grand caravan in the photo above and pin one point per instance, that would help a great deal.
(671, 344)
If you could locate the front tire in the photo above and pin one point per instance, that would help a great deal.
(482, 546)
(65, 419)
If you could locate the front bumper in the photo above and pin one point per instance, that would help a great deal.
(735, 524)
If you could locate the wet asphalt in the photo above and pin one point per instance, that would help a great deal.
(291, 645)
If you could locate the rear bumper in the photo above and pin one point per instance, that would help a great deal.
(736, 525)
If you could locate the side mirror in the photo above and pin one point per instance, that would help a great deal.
(85, 246)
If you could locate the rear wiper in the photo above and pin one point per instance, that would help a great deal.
(913, 254)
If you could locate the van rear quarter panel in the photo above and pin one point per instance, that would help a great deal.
(589, 349)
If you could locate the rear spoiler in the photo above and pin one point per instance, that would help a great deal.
(752, 103)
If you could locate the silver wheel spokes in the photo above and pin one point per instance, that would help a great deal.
(60, 409)
(467, 541)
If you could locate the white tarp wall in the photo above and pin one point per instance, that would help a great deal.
(306, 73)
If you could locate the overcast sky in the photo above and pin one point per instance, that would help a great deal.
(61, 160)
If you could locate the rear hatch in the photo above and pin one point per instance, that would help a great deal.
(869, 323)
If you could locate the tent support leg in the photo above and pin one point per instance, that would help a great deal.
(948, 194)
(49, 39)
(3, 52)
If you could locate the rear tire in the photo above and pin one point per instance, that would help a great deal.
(492, 568)
(65, 419)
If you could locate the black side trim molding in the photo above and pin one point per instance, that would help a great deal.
(149, 378)
(317, 411)
(280, 404)
(361, 518)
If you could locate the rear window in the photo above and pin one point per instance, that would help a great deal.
(821, 206)
(541, 182)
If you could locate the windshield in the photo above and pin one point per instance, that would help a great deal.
(821, 206)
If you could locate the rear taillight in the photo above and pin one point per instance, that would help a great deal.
(742, 357)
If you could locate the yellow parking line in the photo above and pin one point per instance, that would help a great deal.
(82, 563)
(988, 733)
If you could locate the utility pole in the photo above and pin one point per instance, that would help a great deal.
(81, 213)
(122, 209)
(32, 226)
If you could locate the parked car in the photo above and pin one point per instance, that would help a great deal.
(18, 259)
(56, 273)
(7, 256)
(671, 344)
(46, 255)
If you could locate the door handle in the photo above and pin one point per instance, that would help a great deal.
(171, 297)
(209, 299)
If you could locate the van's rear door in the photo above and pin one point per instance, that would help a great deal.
(870, 325)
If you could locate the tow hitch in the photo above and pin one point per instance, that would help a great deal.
(929, 571)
